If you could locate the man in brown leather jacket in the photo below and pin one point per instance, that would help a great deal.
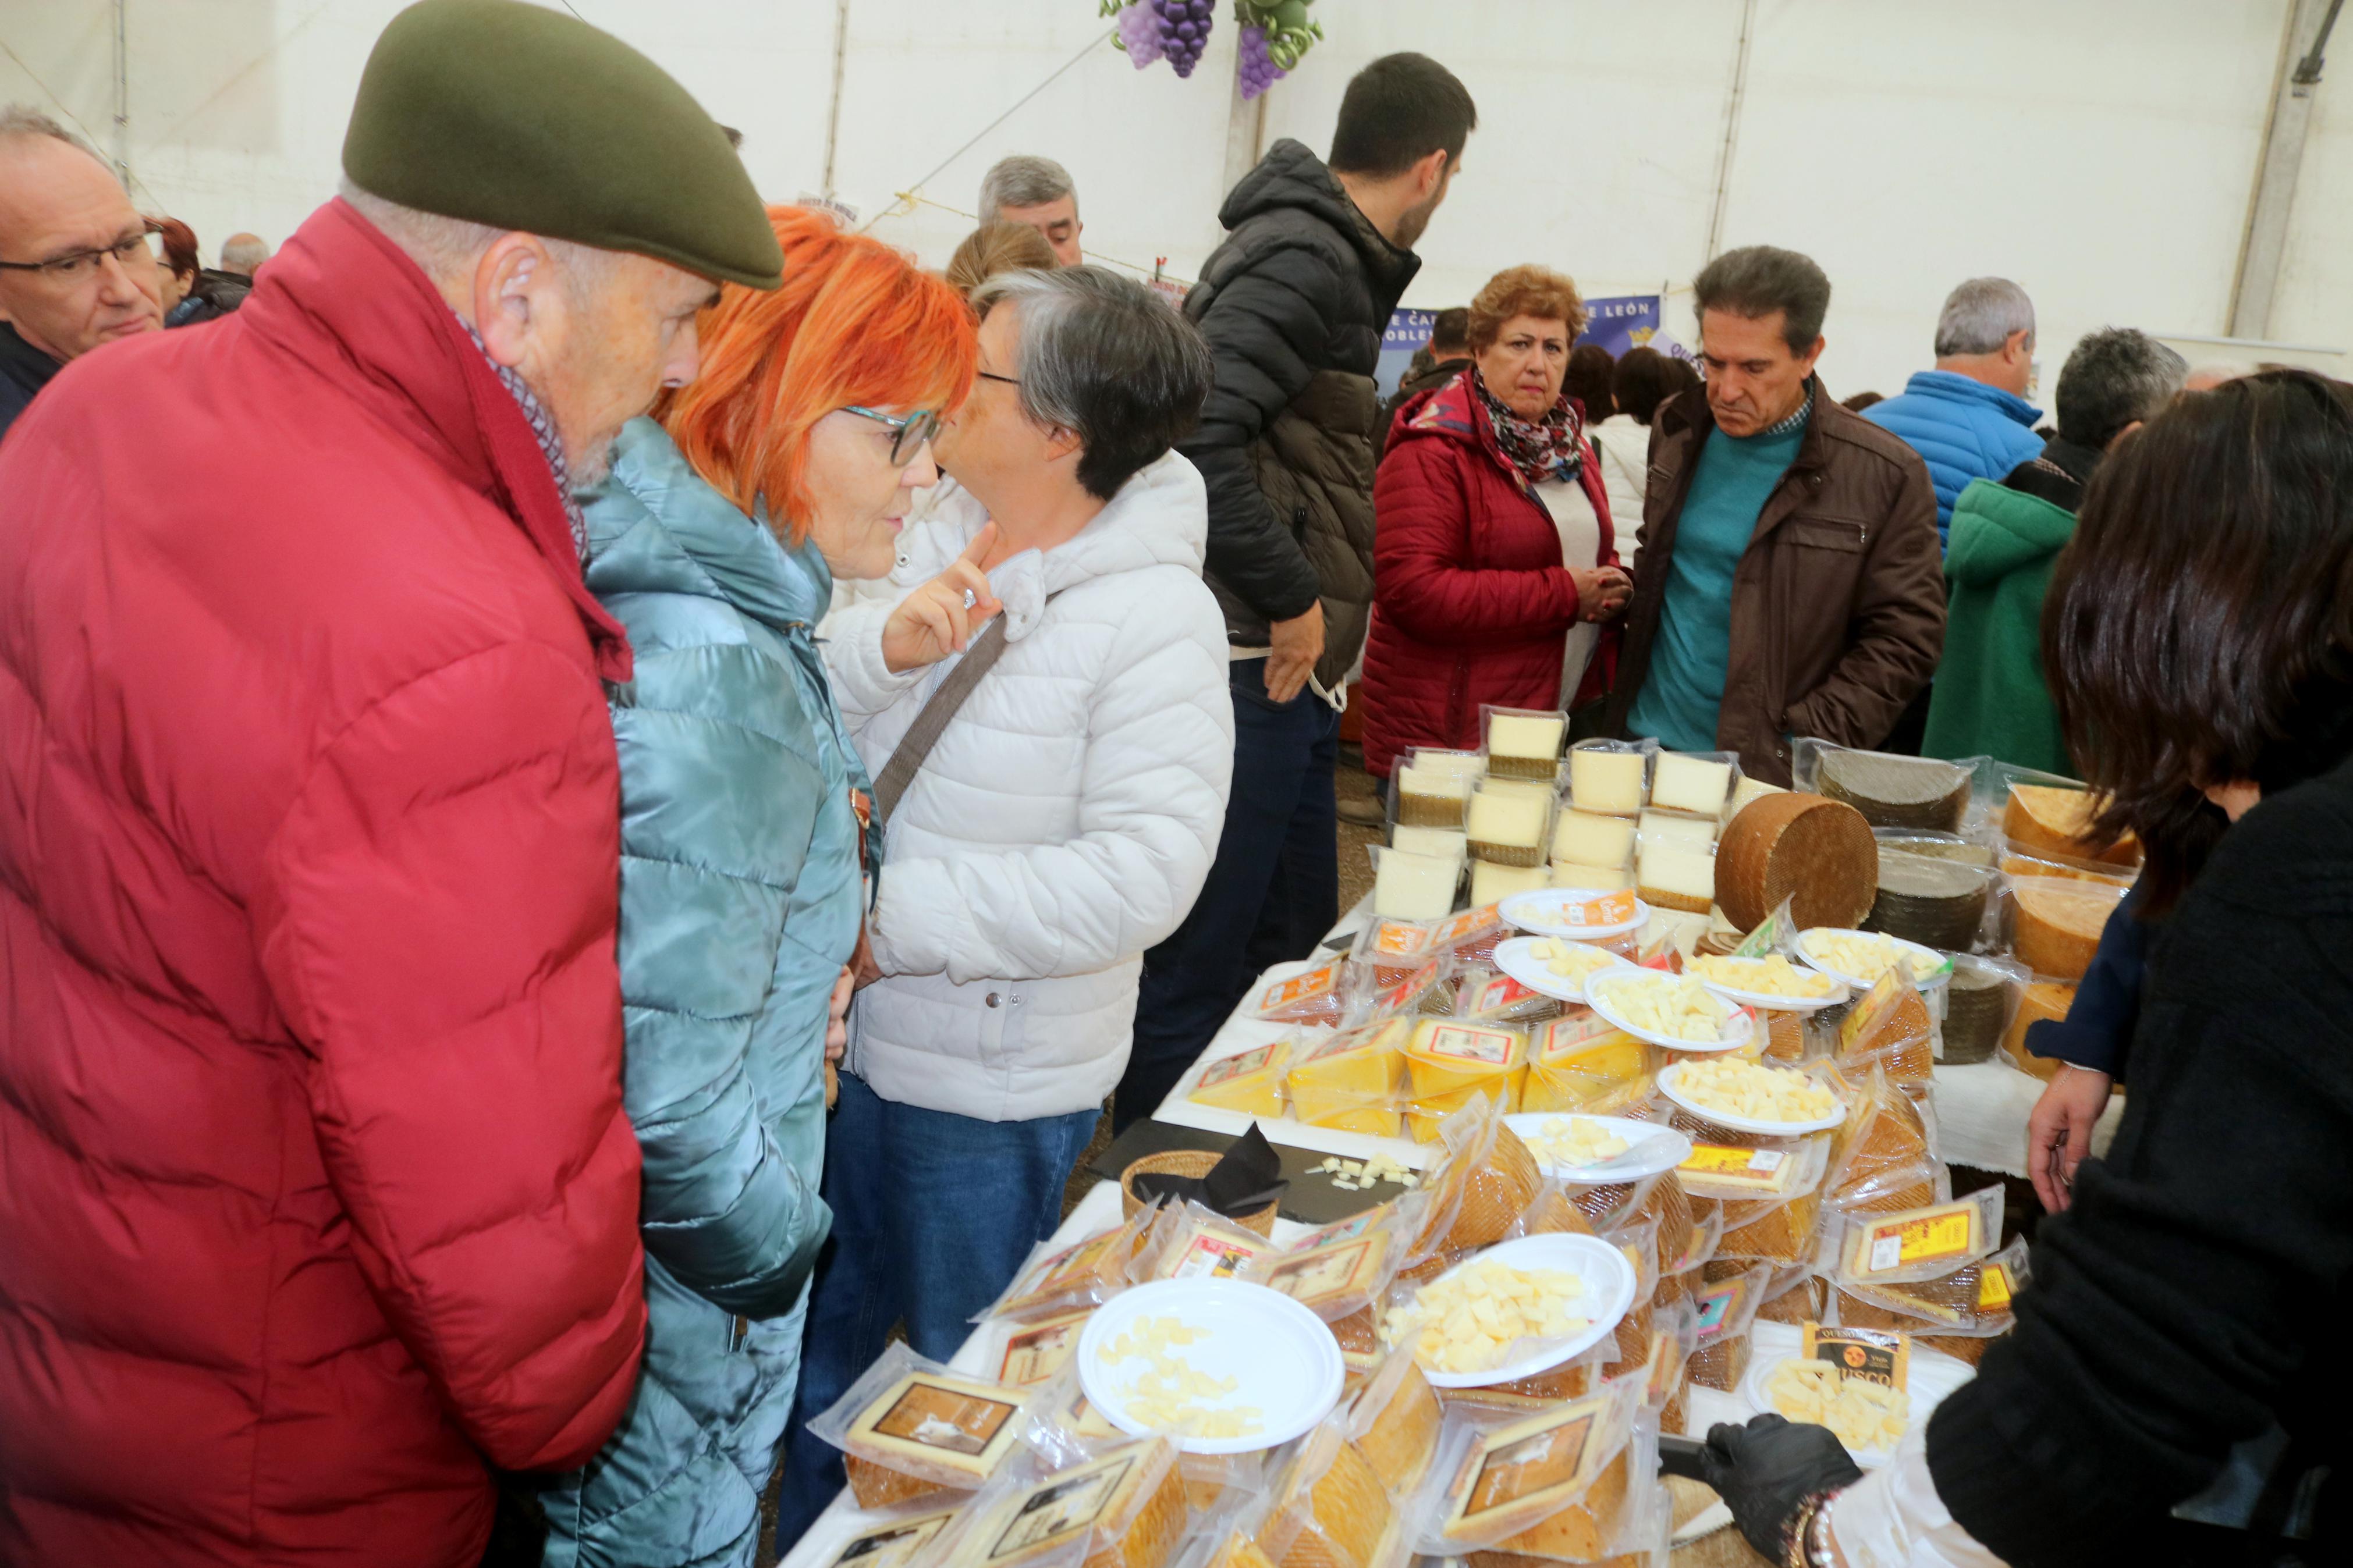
(1789, 580)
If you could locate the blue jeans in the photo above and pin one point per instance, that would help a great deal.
(933, 1214)
(1272, 892)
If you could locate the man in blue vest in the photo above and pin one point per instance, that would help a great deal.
(1969, 418)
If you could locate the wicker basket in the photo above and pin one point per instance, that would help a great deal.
(1185, 1163)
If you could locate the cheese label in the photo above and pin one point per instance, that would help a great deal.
(1212, 1257)
(1411, 986)
(1864, 1020)
(1534, 1464)
(1398, 939)
(1719, 1304)
(933, 1416)
(1347, 1229)
(1327, 1273)
(893, 1543)
(1724, 1160)
(1876, 1355)
(1383, 1034)
(1929, 1235)
(1240, 1066)
(1060, 1508)
(1038, 1351)
(1464, 924)
(1603, 908)
(1493, 1047)
(1299, 987)
(1993, 1289)
(1498, 991)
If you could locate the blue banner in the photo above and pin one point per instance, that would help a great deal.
(1622, 321)
(1408, 331)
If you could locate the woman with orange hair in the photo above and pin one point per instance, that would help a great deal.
(791, 461)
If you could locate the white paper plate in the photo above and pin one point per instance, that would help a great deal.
(1608, 1291)
(1856, 982)
(1932, 1376)
(1766, 1002)
(1283, 1360)
(1517, 957)
(1654, 1147)
(1538, 910)
(1737, 1030)
(1667, 1086)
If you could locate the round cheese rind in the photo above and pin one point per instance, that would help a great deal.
(1818, 851)
(2059, 923)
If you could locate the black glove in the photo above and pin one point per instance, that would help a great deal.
(1764, 1469)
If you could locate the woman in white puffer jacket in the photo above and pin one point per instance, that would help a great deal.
(1063, 821)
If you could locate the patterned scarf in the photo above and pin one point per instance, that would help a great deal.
(1549, 448)
(550, 445)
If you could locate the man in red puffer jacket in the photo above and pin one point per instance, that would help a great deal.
(316, 1192)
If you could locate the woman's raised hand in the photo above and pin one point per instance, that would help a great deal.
(1601, 592)
(940, 618)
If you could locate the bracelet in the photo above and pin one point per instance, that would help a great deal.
(1805, 1537)
(1824, 1553)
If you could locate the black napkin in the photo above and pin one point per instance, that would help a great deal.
(1247, 1178)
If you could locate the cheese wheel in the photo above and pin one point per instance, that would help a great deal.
(2059, 923)
(1895, 792)
(2056, 821)
(1347, 1513)
(1936, 902)
(1402, 1436)
(2043, 999)
(1789, 845)
(1974, 1006)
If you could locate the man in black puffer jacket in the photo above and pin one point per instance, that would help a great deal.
(1292, 304)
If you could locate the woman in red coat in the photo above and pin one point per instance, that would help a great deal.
(1495, 569)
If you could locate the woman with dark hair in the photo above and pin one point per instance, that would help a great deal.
(192, 291)
(1641, 379)
(2199, 635)
(1496, 564)
(1587, 381)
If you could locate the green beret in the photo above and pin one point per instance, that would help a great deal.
(522, 118)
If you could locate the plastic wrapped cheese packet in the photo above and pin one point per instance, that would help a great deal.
(1674, 1335)
(1552, 1481)
(1331, 1510)
(1352, 1080)
(1610, 778)
(1957, 1313)
(1523, 743)
(1472, 935)
(1884, 1155)
(1797, 1294)
(1123, 1506)
(1890, 1028)
(1223, 1481)
(1581, 1062)
(1482, 996)
(1428, 990)
(1054, 1280)
(1890, 791)
(1769, 1213)
(894, 1540)
(1642, 1539)
(1725, 1310)
(1193, 1241)
(1430, 787)
(1389, 950)
(1320, 995)
(1450, 1062)
(1027, 1353)
(1884, 1250)
(1394, 1422)
(910, 1428)
(1478, 1188)
(1339, 1270)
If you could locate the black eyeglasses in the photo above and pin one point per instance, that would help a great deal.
(129, 251)
(908, 431)
(992, 375)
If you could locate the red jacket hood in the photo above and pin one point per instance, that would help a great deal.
(340, 287)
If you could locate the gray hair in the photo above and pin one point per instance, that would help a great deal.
(1022, 181)
(243, 253)
(1979, 315)
(448, 249)
(23, 119)
(1106, 359)
(1757, 280)
(2114, 376)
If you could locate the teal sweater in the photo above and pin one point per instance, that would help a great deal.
(1990, 697)
(1684, 686)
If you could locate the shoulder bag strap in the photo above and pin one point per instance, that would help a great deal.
(932, 721)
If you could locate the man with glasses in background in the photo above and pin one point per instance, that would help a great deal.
(77, 261)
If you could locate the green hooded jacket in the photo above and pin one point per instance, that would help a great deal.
(740, 895)
(1990, 699)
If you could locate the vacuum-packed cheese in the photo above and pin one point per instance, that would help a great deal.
(1525, 745)
(1587, 839)
(1685, 783)
(1409, 887)
(1580, 1063)
(1491, 883)
(1598, 878)
(1656, 824)
(924, 1428)
(1396, 1423)
(1249, 1081)
(1444, 842)
(1342, 1514)
(2059, 922)
(1675, 874)
(1609, 783)
(1352, 1080)
(1127, 1504)
(1895, 792)
(1937, 903)
(2055, 821)
(2043, 999)
(1508, 825)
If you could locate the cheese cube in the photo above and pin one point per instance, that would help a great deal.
(1691, 783)
(1586, 839)
(1609, 783)
(1408, 887)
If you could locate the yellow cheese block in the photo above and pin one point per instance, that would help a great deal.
(1677, 874)
(2059, 922)
(1250, 1082)
(1491, 883)
(1525, 745)
(1601, 878)
(1352, 1081)
(1656, 824)
(1582, 1064)
(1448, 1063)
(1749, 790)
(2054, 821)
(1585, 838)
(1609, 783)
(1691, 783)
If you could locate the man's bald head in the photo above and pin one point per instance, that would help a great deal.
(59, 204)
(244, 254)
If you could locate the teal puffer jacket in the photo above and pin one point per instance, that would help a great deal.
(740, 891)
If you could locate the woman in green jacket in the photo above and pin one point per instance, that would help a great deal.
(716, 540)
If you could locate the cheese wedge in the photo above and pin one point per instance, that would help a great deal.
(2056, 821)
(1582, 1064)
(1674, 874)
(1490, 883)
(931, 1424)
(1655, 824)
(1431, 796)
(1250, 1082)
(1415, 887)
(1749, 790)
(1343, 1518)
(1127, 1504)
(1525, 745)
(1603, 879)
(1588, 839)
(1535, 1473)
(1691, 783)
(1445, 843)
(1352, 1081)
(2059, 923)
(1605, 782)
(2043, 999)
(1398, 1438)
(1448, 1062)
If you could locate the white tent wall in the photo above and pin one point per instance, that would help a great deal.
(2103, 153)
